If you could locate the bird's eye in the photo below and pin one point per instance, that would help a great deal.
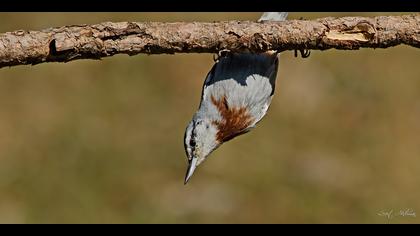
(192, 142)
(207, 126)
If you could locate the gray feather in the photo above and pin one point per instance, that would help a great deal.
(273, 16)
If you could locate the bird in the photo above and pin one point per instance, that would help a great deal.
(236, 95)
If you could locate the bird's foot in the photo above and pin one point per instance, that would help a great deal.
(304, 53)
(219, 54)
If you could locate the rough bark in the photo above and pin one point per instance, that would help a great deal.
(106, 39)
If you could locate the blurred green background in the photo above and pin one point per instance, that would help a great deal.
(102, 141)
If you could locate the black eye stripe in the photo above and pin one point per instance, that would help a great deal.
(192, 139)
(185, 143)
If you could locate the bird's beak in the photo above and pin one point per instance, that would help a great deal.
(190, 170)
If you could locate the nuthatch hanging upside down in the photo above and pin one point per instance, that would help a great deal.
(236, 95)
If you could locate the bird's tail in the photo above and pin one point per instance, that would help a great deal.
(273, 16)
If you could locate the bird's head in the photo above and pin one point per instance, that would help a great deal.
(200, 140)
(211, 127)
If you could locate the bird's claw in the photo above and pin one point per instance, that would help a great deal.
(304, 53)
(221, 53)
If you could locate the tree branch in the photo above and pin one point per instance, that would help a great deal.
(106, 39)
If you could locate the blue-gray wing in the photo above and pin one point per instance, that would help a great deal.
(239, 66)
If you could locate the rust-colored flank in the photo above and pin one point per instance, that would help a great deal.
(235, 120)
